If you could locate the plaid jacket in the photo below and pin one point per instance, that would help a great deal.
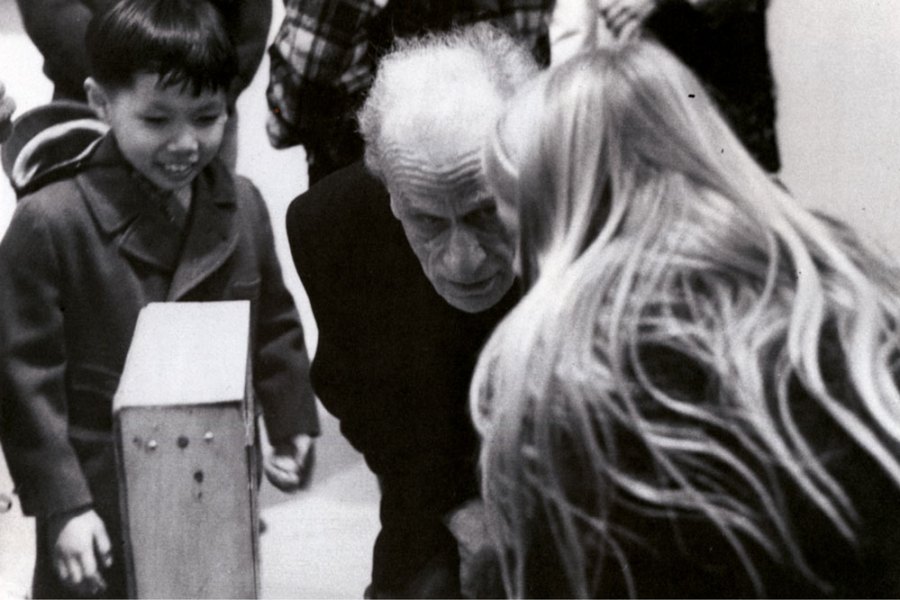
(323, 56)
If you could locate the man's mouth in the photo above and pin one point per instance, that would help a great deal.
(474, 287)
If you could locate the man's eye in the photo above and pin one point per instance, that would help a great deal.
(482, 216)
(429, 221)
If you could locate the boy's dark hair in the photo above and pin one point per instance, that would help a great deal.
(185, 42)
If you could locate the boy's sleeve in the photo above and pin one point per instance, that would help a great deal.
(33, 406)
(281, 363)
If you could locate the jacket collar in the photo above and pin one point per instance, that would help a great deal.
(126, 205)
(212, 234)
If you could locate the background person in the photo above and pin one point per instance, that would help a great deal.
(697, 396)
(325, 54)
(723, 41)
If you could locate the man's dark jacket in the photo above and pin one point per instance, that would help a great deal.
(393, 363)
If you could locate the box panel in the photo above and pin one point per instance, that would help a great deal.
(188, 501)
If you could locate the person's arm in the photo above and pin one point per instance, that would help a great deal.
(57, 28)
(319, 67)
(322, 224)
(625, 17)
(281, 368)
(573, 28)
(720, 9)
(34, 423)
(343, 251)
(32, 370)
(251, 23)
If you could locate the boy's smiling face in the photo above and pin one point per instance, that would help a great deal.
(167, 133)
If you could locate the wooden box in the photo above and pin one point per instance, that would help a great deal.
(184, 441)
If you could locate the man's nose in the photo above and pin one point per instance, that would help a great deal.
(464, 254)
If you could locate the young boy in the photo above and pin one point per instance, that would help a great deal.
(150, 215)
(57, 28)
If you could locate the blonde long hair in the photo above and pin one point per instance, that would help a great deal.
(644, 223)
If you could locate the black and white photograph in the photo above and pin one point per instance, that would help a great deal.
(449, 298)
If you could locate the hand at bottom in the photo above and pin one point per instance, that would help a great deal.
(81, 549)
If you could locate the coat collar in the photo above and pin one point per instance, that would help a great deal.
(126, 206)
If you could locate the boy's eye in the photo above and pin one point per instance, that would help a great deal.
(208, 120)
(155, 120)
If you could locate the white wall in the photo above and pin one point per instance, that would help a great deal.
(837, 65)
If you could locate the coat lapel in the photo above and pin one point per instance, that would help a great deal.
(212, 234)
(123, 205)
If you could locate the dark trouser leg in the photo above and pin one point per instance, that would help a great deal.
(415, 555)
(411, 565)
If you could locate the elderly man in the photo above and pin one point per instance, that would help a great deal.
(408, 269)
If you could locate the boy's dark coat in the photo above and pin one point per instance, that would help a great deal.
(80, 259)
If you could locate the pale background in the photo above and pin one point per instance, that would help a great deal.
(837, 67)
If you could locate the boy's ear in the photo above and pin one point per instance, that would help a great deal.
(97, 97)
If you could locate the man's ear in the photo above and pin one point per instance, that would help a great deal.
(395, 204)
(97, 97)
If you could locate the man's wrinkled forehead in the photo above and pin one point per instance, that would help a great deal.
(451, 177)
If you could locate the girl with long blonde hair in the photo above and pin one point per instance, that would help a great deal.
(697, 396)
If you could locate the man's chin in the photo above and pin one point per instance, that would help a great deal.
(475, 302)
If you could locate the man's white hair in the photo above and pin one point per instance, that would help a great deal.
(436, 96)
